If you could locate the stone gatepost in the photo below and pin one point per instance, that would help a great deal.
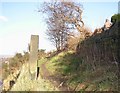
(34, 45)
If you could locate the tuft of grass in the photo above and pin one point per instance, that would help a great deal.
(41, 61)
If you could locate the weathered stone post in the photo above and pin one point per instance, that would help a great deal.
(34, 45)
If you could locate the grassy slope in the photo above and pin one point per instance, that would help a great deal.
(78, 71)
(79, 75)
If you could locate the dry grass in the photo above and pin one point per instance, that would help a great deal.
(24, 83)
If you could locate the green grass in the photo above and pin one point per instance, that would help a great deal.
(77, 72)
(41, 61)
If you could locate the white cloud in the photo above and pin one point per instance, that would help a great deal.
(3, 18)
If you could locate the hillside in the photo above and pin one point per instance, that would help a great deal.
(92, 67)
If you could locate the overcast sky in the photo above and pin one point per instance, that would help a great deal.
(18, 20)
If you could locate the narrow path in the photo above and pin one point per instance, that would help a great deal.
(45, 72)
(55, 80)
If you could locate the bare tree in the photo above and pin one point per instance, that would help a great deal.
(62, 17)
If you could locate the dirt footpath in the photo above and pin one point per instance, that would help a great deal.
(58, 82)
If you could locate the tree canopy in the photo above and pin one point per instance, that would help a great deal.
(115, 18)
